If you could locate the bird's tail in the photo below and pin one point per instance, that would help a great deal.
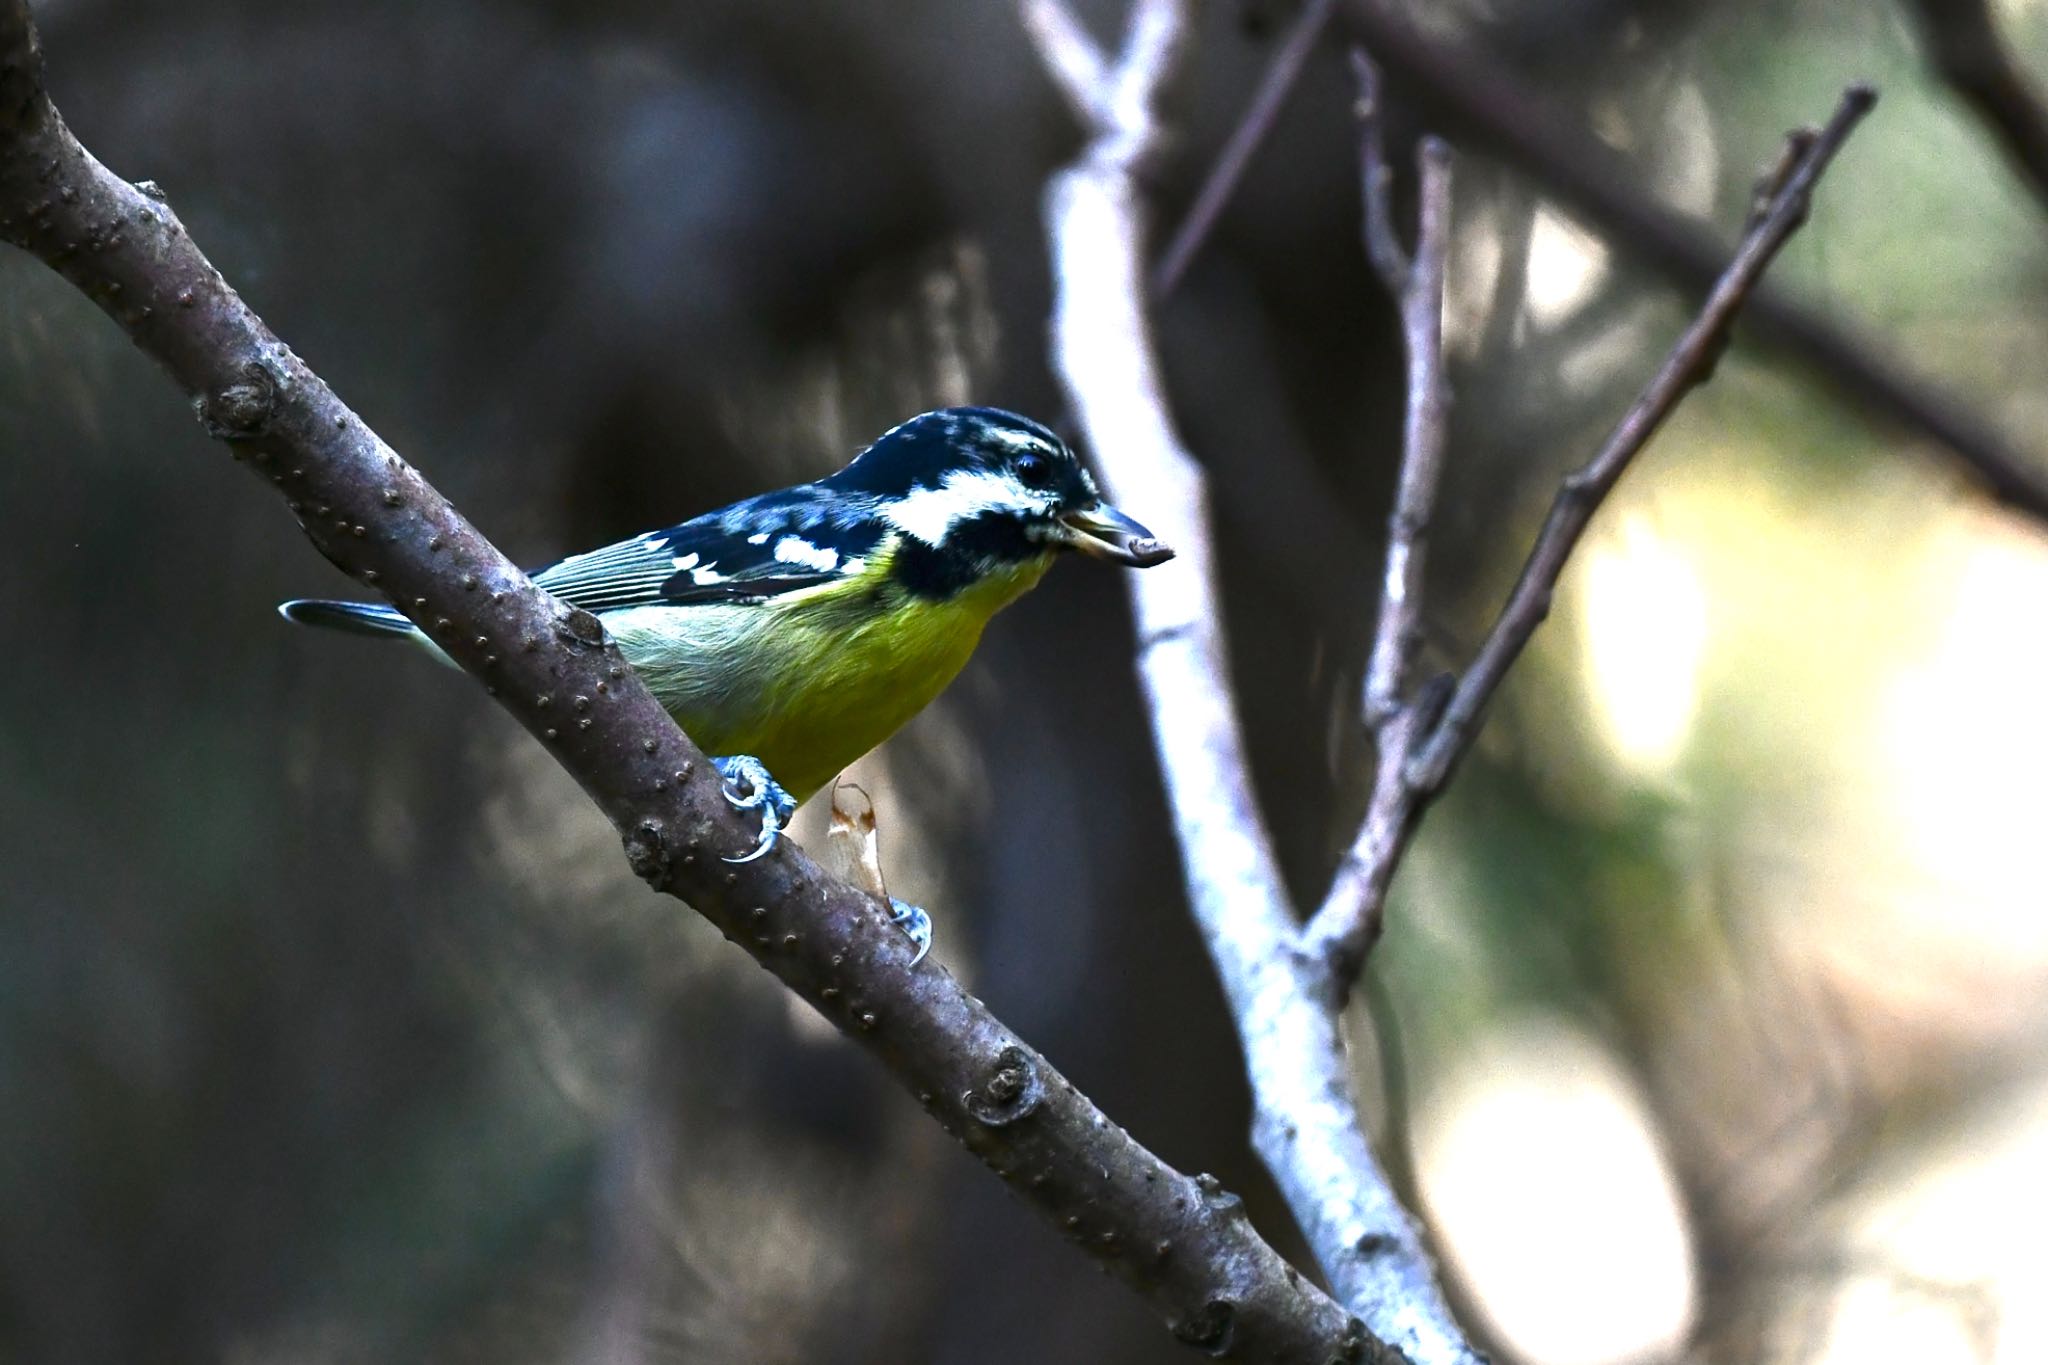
(359, 618)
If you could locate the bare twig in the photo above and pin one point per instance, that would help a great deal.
(1345, 928)
(1419, 291)
(1489, 108)
(1962, 38)
(1690, 362)
(1284, 986)
(1307, 1126)
(1176, 1240)
(1244, 143)
(1073, 59)
(1382, 241)
(1416, 752)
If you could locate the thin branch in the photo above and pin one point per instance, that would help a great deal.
(1177, 1241)
(1073, 59)
(1348, 923)
(1691, 361)
(1156, 41)
(1382, 242)
(1415, 760)
(1962, 38)
(1489, 108)
(1243, 144)
(1419, 291)
(1307, 1125)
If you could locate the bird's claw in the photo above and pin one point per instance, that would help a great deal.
(748, 786)
(915, 923)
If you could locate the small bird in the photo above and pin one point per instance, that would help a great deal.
(791, 632)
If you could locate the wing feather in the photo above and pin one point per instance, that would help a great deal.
(765, 547)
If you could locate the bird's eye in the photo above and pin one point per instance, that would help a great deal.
(1034, 471)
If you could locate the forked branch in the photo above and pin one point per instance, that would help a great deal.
(1284, 983)
(1307, 1126)
(1418, 750)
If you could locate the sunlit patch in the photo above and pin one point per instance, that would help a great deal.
(1474, 275)
(1643, 634)
(1566, 264)
(1689, 173)
(1554, 1203)
(1964, 731)
(1945, 1244)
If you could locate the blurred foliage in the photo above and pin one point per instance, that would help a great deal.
(333, 1027)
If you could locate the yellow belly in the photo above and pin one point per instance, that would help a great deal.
(810, 682)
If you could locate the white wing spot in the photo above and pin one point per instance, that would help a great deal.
(707, 575)
(758, 538)
(688, 561)
(797, 550)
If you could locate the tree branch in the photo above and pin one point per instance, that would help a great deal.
(1307, 1126)
(1348, 924)
(1417, 753)
(1690, 363)
(1285, 986)
(1490, 108)
(1243, 144)
(1179, 1242)
(1962, 38)
(1073, 59)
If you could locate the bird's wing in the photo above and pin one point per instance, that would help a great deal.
(765, 547)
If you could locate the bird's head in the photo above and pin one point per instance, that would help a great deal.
(989, 486)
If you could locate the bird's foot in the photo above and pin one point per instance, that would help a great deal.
(915, 923)
(749, 787)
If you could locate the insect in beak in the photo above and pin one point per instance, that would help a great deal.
(1106, 533)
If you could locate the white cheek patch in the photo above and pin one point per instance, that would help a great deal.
(930, 514)
(797, 550)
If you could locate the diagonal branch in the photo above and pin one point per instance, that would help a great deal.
(1962, 38)
(1307, 1125)
(1071, 56)
(1243, 144)
(1177, 1241)
(1490, 108)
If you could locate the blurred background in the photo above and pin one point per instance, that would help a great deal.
(334, 1028)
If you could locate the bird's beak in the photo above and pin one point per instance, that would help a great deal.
(1106, 533)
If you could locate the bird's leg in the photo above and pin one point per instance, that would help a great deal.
(748, 786)
(853, 850)
(915, 923)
